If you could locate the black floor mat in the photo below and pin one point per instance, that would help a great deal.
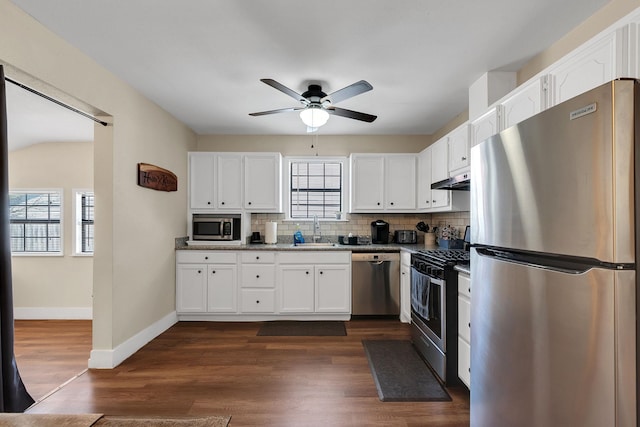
(400, 374)
(303, 329)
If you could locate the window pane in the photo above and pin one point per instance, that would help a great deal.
(316, 189)
(35, 221)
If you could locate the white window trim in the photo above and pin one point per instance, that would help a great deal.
(76, 230)
(44, 190)
(286, 183)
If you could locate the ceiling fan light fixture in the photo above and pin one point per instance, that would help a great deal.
(314, 116)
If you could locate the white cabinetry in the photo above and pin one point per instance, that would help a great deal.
(458, 141)
(201, 180)
(258, 282)
(315, 282)
(433, 164)
(405, 286)
(464, 328)
(596, 62)
(526, 101)
(486, 125)
(263, 182)
(206, 282)
(383, 182)
(424, 179)
(229, 182)
(235, 181)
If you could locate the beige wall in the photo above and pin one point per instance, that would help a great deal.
(329, 145)
(60, 282)
(134, 268)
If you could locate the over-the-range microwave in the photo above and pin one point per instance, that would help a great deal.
(215, 227)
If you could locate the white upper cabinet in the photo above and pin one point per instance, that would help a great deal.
(526, 101)
(600, 60)
(486, 125)
(383, 182)
(367, 183)
(439, 171)
(458, 141)
(235, 181)
(424, 179)
(263, 182)
(229, 182)
(400, 182)
(201, 180)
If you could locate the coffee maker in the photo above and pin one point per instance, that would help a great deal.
(380, 232)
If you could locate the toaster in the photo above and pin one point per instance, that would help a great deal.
(406, 236)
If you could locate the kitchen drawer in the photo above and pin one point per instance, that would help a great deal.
(464, 318)
(208, 257)
(258, 300)
(258, 257)
(464, 284)
(464, 362)
(314, 257)
(258, 276)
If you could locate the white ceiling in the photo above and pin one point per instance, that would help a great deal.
(202, 60)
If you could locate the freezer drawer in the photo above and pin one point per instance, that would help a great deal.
(550, 348)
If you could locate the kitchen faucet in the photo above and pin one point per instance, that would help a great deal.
(317, 234)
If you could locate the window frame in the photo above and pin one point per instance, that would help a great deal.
(77, 222)
(60, 192)
(286, 170)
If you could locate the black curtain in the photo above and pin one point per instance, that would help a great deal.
(15, 397)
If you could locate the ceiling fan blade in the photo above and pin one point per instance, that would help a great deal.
(348, 92)
(281, 110)
(282, 88)
(351, 114)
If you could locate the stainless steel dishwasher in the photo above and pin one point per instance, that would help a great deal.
(375, 283)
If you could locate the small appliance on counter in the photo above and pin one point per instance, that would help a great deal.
(256, 238)
(407, 237)
(380, 232)
(211, 227)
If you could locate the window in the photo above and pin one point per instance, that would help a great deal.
(316, 188)
(35, 222)
(84, 211)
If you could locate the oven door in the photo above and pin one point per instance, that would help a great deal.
(428, 306)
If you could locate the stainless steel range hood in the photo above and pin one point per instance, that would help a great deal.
(459, 182)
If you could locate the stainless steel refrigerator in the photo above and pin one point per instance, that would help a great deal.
(554, 210)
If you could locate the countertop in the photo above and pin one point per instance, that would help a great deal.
(391, 247)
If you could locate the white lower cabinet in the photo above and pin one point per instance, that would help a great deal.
(263, 285)
(464, 328)
(206, 282)
(315, 282)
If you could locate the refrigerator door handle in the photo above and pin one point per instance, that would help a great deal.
(558, 263)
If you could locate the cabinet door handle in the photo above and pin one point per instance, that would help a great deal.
(206, 257)
(257, 276)
(208, 203)
(213, 272)
(391, 203)
(257, 301)
(223, 203)
(307, 272)
(463, 158)
(257, 257)
(378, 203)
(469, 324)
(199, 271)
(433, 201)
(322, 272)
(427, 202)
(249, 203)
(469, 290)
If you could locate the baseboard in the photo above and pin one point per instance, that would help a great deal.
(109, 359)
(50, 313)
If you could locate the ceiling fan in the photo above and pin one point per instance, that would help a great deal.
(317, 105)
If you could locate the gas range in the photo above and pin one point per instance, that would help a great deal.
(444, 257)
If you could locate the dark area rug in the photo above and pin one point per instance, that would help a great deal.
(400, 374)
(302, 329)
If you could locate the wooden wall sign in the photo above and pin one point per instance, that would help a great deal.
(156, 178)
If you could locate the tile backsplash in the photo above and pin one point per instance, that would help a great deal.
(360, 224)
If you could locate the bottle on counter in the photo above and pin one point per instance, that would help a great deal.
(297, 236)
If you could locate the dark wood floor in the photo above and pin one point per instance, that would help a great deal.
(206, 368)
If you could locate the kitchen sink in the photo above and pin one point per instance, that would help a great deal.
(314, 245)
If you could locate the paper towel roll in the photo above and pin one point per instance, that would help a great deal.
(271, 232)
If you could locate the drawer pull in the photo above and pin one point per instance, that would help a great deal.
(257, 276)
(322, 272)
(469, 324)
(257, 257)
(307, 272)
(199, 271)
(213, 272)
(257, 301)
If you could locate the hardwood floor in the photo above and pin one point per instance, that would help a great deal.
(208, 368)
